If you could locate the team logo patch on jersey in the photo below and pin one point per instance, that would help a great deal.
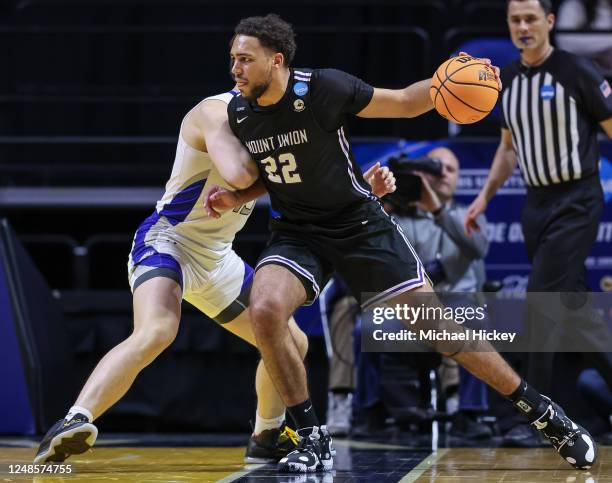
(605, 88)
(300, 89)
(547, 92)
(298, 105)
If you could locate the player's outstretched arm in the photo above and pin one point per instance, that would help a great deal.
(411, 101)
(504, 162)
(227, 153)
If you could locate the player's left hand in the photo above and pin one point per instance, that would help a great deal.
(496, 69)
(218, 200)
(429, 199)
(381, 179)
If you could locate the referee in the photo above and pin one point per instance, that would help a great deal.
(553, 103)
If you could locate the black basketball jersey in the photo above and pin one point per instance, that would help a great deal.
(301, 147)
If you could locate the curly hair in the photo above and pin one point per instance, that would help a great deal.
(272, 32)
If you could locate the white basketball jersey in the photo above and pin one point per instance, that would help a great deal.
(180, 220)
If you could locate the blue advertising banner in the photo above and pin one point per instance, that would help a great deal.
(507, 259)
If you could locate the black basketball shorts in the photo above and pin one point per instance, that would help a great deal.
(366, 248)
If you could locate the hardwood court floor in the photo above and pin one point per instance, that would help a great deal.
(355, 462)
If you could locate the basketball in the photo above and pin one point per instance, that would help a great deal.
(464, 89)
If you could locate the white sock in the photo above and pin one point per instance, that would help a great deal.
(74, 410)
(262, 424)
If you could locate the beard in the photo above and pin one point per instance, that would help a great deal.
(256, 91)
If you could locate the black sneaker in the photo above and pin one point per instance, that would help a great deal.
(65, 438)
(572, 442)
(466, 425)
(271, 445)
(314, 452)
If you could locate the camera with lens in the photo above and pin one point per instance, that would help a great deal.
(409, 185)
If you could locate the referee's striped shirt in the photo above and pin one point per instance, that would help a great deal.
(552, 112)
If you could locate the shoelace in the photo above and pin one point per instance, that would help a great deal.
(308, 444)
(290, 434)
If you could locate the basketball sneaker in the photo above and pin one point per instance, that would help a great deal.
(271, 445)
(314, 452)
(66, 437)
(572, 442)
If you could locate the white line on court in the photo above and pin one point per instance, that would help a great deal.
(239, 474)
(423, 466)
(368, 445)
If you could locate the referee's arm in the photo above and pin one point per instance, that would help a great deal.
(504, 162)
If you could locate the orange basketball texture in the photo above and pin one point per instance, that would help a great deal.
(464, 89)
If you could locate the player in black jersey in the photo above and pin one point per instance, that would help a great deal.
(292, 123)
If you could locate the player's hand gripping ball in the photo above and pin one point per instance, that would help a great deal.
(464, 89)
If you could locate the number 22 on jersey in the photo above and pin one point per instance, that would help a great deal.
(288, 169)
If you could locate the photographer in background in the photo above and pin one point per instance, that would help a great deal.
(434, 225)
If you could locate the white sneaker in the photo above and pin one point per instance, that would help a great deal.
(314, 452)
(339, 414)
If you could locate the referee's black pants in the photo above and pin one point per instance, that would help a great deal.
(560, 225)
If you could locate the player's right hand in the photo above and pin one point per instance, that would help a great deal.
(477, 208)
(218, 200)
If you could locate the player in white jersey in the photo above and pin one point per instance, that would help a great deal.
(179, 252)
(181, 241)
